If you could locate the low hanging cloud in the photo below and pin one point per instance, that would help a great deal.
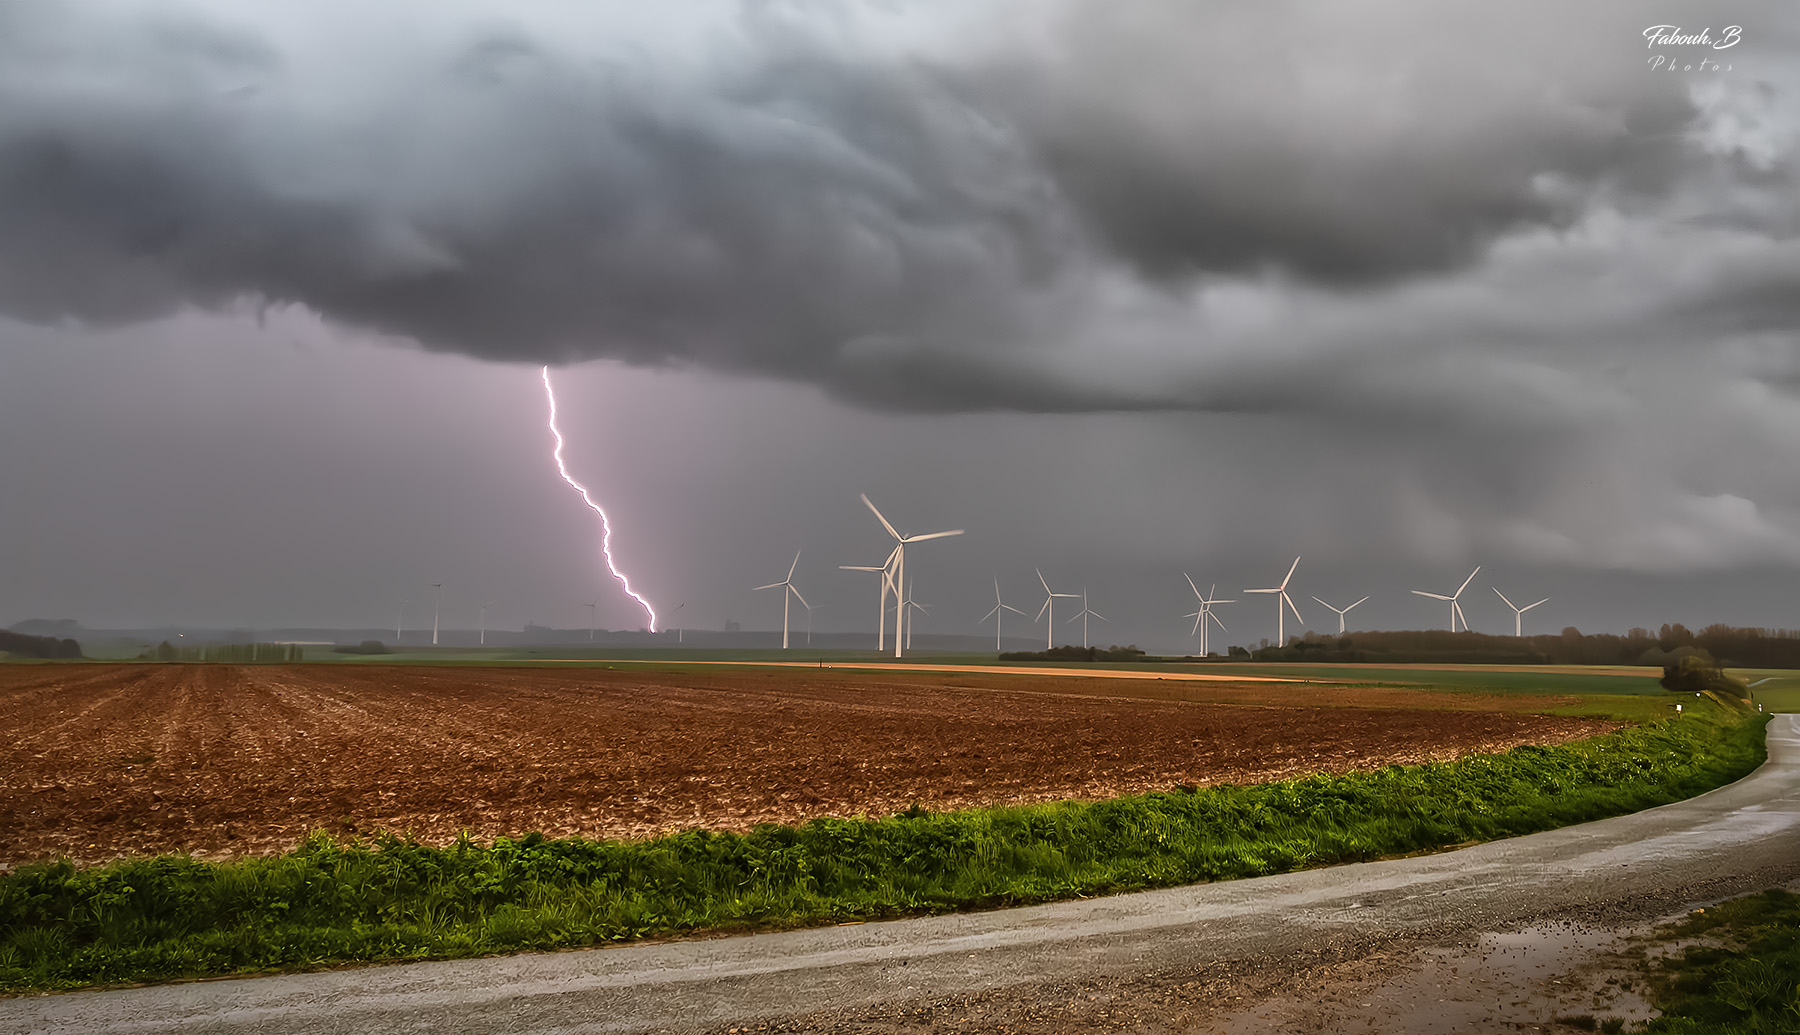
(1098, 206)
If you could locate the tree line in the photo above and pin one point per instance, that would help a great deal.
(1729, 645)
(23, 646)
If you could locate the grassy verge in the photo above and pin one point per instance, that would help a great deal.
(390, 899)
(1743, 978)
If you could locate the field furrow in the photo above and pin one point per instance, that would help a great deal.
(218, 760)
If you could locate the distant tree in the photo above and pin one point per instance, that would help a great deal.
(165, 651)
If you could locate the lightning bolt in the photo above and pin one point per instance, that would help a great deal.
(605, 525)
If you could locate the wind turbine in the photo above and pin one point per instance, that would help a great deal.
(1283, 598)
(912, 605)
(887, 582)
(900, 542)
(1205, 612)
(995, 614)
(1050, 606)
(593, 617)
(1455, 608)
(1519, 612)
(1086, 613)
(787, 586)
(400, 620)
(1341, 613)
(679, 630)
(485, 605)
(436, 599)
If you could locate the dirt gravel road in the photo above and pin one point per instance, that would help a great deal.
(1157, 962)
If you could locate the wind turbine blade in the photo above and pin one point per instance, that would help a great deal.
(1071, 596)
(1198, 617)
(1191, 585)
(1291, 607)
(1358, 602)
(1528, 607)
(990, 614)
(1503, 597)
(1076, 617)
(1466, 582)
(1277, 590)
(934, 535)
(1454, 606)
(1434, 596)
(1100, 616)
(794, 565)
(1328, 607)
(1046, 585)
(1211, 602)
(1215, 618)
(771, 585)
(796, 593)
(1290, 573)
(878, 517)
(1041, 610)
(996, 589)
(1013, 609)
(859, 567)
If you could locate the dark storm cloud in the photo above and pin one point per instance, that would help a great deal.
(1349, 144)
(1019, 225)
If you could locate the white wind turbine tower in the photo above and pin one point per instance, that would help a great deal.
(1205, 612)
(1519, 612)
(485, 605)
(995, 614)
(900, 565)
(593, 617)
(1050, 597)
(436, 599)
(1086, 613)
(1282, 598)
(1341, 613)
(887, 582)
(400, 620)
(1455, 608)
(787, 586)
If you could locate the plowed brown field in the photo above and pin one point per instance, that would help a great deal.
(102, 760)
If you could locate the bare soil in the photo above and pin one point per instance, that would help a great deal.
(98, 761)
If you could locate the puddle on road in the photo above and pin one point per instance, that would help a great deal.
(1519, 981)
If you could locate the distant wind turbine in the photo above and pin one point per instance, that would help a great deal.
(887, 583)
(1455, 608)
(1282, 598)
(787, 586)
(912, 605)
(400, 621)
(995, 614)
(1519, 612)
(900, 542)
(436, 599)
(1050, 598)
(1341, 613)
(593, 617)
(1206, 603)
(1086, 613)
(485, 605)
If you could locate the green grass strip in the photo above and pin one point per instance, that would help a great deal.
(391, 899)
(1744, 979)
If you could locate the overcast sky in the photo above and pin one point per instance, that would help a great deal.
(1124, 288)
